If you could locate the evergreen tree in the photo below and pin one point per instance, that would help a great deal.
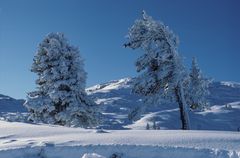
(163, 73)
(198, 88)
(147, 127)
(60, 97)
(154, 125)
(158, 126)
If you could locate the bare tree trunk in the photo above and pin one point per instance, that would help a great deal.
(182, 107)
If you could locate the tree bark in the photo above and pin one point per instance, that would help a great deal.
(182, 107)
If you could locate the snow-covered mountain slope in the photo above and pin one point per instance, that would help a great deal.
(224, 92)
(21, 140)
(8, 104)
(117, 101)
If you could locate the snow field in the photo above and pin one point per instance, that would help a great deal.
(127, 151)
(21, 140)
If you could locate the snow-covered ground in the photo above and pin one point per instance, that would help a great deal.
(24, 140)
(117, 101)
(219, 117)
(21, 140)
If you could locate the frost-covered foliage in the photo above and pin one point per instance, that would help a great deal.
(162, 70)
(60, 97)
(198, 88)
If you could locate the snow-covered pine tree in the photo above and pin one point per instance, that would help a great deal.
(158, 126)
(154, 126)
(147, 126)
(197, 88)
(60, 97)
(162, 69)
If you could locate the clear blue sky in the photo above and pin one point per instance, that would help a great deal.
(208, 30)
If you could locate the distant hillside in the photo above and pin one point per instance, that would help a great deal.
(117, 101)
(8, 104)
(224, 92)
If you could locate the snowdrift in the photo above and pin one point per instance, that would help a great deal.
(20, 140)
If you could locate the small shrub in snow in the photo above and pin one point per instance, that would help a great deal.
(158, 126)
(116, 155)
(147, 126)
(154, 125)
(228, 106)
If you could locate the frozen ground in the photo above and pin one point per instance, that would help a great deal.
(21, 140)
(116, 101)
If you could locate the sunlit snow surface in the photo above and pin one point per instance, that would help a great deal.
(26, 140)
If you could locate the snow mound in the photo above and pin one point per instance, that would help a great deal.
(92, 155)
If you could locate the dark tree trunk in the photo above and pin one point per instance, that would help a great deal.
(182, 107)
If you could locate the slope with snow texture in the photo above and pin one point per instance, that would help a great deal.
(21, 140)
(117, 101)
